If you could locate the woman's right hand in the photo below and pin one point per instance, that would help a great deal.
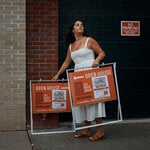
(55, 77)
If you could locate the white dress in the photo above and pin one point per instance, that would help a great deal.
(83, 58)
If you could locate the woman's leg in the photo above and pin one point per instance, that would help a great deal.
(84, 132)
(99, 128)
(99, 135)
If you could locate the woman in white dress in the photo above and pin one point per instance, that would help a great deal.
(81, 50)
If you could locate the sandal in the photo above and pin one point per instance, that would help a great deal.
(81, 134)
(96, 137)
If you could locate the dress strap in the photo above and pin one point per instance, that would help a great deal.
(86, 42)
(70, 47)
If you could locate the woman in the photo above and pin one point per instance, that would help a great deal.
(81, 50)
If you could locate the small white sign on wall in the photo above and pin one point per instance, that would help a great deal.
(130, 28)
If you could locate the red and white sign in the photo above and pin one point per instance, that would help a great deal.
(92, 86)
(130, 28)
(50, 97)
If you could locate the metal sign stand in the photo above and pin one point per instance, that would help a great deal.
(33, 131)
(119, 115)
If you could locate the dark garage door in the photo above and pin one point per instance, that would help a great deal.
(131, 53)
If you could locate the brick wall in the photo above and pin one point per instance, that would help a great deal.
(42, 39)
(12, 65)
(42, 49)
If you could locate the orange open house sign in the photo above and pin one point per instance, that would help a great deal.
(92, 86)
(50, 97)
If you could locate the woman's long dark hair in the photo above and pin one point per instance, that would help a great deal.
(69, 36)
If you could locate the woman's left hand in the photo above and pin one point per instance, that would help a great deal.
(95, 63)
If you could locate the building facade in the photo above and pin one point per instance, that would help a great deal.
(32, 48)
(13, 65)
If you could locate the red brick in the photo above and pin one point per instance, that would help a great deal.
(42, 44)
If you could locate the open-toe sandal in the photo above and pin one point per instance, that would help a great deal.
(96, 137)
(81, 134)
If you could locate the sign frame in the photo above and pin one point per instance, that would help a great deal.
(119, 114)
(33, 131)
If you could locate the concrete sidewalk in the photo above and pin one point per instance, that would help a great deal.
(127, 135)
(14, 140)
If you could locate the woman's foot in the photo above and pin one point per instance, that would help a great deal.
(82, 134)
(97, 137)
(85, 132)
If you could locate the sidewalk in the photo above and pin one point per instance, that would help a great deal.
(14, 140)
(127, 135)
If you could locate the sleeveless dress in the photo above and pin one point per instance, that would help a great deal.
(83, 59)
